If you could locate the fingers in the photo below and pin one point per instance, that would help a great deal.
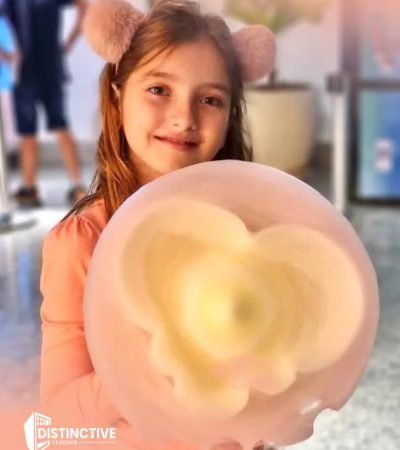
(227, 445)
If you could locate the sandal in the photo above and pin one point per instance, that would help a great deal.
(27, 197)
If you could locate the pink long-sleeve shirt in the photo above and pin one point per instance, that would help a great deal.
(68, 381)
(70, 389)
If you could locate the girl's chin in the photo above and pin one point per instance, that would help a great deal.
(151, 170)
(175, 165)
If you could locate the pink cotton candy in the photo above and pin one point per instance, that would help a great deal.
(262, 197)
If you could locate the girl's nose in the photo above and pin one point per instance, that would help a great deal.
(184, 116)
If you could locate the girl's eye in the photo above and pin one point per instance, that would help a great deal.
(212, 101)
(157, 90)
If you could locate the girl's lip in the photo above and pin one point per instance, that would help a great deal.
(180, 142)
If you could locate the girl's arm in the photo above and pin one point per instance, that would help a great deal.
(69, 389)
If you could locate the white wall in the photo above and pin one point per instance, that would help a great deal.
(307, 52)
(82, 92)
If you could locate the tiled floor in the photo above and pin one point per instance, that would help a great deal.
(20, 256)
(371, 418)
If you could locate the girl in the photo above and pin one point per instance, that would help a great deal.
(170, 96)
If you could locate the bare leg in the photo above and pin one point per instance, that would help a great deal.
(69, 152)
(29, 159)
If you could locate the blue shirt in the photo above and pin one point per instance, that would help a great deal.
(6, 43)
(37, 25)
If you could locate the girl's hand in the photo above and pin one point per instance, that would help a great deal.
(228, 445)
(232, 445)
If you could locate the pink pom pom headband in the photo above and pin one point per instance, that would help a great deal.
(110, 26)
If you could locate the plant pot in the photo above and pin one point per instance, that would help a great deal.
(281, 124)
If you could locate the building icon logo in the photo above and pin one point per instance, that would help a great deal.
(31, 426)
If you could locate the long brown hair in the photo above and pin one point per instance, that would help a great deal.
(169, 23)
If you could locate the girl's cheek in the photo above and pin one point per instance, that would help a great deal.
(156, 115)
(155, 105)
(217, 118)
(146, 115)
(157, 101)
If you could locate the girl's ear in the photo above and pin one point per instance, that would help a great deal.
(116, 91)
(117, 96)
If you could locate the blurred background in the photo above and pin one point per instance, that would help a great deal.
(329, 114)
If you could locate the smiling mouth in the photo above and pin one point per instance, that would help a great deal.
(179, 143)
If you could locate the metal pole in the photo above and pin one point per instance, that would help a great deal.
(5, 213)
(338, 85)
(8, 221)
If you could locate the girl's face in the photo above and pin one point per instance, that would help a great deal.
(175, 109)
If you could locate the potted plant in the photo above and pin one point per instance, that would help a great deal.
(280, 116)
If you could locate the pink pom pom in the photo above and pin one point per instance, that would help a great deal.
(109, 26)
(256, 49)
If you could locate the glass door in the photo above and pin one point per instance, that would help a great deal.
(372, 58)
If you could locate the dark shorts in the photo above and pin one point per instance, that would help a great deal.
(28, 97)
